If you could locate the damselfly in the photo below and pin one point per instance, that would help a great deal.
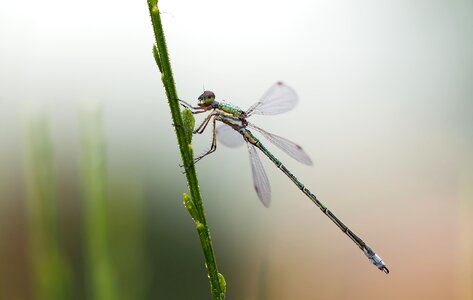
(235, 130)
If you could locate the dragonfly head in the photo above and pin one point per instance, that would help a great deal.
(206, 99)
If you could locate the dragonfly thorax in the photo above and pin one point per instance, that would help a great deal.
(233, 121)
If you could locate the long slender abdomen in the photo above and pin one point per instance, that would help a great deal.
(370, 254)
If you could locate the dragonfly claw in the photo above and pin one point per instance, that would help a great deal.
(186, 167)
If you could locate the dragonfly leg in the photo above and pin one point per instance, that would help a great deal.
(194, 109)
(204, 124)
(213, 147)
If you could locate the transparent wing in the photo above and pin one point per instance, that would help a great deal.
(292, 149)
(260, 180)
(229, 136)
(278, 99)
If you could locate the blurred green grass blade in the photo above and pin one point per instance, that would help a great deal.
(51, 278)
(128, 234)
(99, 272)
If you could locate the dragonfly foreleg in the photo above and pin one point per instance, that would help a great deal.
(194, 109)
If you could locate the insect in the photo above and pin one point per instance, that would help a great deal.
(235, 130)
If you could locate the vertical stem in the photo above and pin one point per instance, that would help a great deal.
(162, 59)
(101, 275)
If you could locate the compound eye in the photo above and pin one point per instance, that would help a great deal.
(209, 94)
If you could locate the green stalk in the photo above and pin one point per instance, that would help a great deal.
(182, 129)
(100, 273)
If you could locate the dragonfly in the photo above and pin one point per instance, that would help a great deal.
(235, 130)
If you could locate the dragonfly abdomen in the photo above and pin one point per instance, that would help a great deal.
(370, 254)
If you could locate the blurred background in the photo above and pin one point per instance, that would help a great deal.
(90, 183)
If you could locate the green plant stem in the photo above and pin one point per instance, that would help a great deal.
(162, 59)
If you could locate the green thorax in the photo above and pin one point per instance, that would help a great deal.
(230, 109)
